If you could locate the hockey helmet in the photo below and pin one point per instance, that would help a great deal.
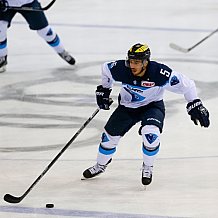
(139, 51)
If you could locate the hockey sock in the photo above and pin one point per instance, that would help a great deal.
(151, 144)
(3, 38)
(51, 38)
(107, 148)
(104, 155)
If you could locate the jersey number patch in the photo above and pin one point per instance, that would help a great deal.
(165, 73)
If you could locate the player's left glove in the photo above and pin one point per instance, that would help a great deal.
(3, 5)
(198, 113)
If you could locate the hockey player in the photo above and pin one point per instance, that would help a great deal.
(141, 100)
(36, 20)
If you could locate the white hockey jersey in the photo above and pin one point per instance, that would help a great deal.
(18, 3)
(139, 91)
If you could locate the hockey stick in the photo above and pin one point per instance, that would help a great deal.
(13, 199)
(186, 50)
(31, 8)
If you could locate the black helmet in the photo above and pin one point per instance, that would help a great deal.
(139, 51)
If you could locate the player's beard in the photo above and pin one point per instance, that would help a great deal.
(136, 72)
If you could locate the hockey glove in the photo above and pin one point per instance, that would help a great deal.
(102, 97)
(198, 113)
(3, 5)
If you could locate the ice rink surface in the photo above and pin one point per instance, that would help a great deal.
(44, 101)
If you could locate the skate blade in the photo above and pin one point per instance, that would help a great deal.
(83, 178)
(92, 178)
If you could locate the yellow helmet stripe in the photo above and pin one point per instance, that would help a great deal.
(142, 48)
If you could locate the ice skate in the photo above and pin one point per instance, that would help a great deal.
(67, 57)
(3, 63)
(146, 174)
(94, 170)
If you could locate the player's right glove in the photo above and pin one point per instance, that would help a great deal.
(102, 97)
(198, 113)
(3, 5)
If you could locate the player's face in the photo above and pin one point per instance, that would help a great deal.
(136, 67)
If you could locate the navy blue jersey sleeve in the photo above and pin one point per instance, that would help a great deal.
(119, 71)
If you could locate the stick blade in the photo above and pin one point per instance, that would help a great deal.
(178, 48)
(12, 199)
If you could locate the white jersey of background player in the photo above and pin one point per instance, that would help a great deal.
(143, 83)
(18, 3)
(36, 20)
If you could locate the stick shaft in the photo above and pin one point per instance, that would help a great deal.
(185, 50)
(202, 40)
(12, 199)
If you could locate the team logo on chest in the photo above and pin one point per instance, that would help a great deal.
(147, 83)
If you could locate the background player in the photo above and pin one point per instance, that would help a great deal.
(36, 20)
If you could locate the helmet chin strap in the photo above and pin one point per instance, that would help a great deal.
(143, 66)
(142, 72)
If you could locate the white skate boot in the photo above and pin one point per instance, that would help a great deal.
(67, 57)
(146, 174)
(3, 63)
(94, 170)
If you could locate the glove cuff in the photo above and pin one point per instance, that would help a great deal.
(100, 88)
(193, 104)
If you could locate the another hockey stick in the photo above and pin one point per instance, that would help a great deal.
(13, 199)
(186, 50)
(31, 8)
